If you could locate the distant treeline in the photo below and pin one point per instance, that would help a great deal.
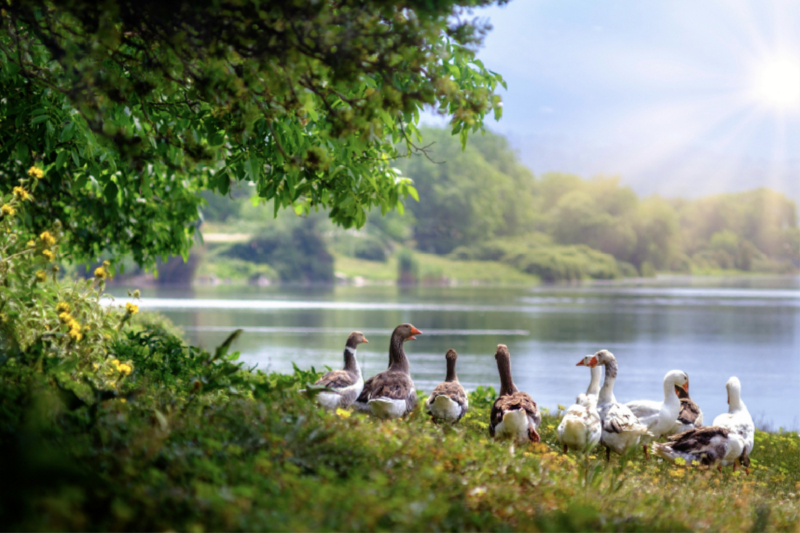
(483, 204)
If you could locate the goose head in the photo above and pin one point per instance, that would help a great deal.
(678, 378)
(407, 332)
(602, 357)
(357, 338)
(589, 360)
(734, 388)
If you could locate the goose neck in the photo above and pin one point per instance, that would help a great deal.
(397, 355)
(350, 361)
(594, 382)
(451, 370)
(607, 391)
(670, 398)
(506, 382)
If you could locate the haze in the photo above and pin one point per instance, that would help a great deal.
(678, 98)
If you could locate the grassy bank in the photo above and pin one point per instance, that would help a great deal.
(189, 441)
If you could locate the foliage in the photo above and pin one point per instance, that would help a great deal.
(301, 255)
(468, 196)
(134, 109)
(207, 445)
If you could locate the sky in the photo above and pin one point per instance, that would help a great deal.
(678, 97)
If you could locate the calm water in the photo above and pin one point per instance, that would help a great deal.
(712, 329)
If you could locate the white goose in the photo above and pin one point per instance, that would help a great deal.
(621, 428)
(580, 429)
(738, 418)
(660, 417)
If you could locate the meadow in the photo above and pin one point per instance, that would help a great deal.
(192, 441)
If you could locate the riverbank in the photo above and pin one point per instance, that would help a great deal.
(192, 446)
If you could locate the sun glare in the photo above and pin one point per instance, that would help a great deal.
(778, 83)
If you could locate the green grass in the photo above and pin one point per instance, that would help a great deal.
(435, 268)
(199, 445)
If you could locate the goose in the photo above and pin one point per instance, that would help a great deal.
(514, 414)
(391, 394)
(660, 417)
(594, 381)
(344, 385)
(448, 401)
(621, 428)
(690, 417)
(580, 429)
(710, 445)
(737, 419)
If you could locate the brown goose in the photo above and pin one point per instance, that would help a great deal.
(345, 385)
(391, 394)
(709, 445)
(514, 414)
(448, 401)
(690, 416)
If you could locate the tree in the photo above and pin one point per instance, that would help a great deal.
(132, 108)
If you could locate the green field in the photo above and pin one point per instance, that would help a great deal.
(191, 442)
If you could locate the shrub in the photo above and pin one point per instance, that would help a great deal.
(298, 256)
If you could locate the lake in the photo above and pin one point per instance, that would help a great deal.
(710, 328)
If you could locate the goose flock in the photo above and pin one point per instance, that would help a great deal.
(595, 418)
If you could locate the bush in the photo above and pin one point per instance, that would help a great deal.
(298, 256)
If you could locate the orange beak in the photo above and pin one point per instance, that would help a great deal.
(414, 331)
(365, 340)
(581, 363)
(686, 387)
(677, 389)
(593, 362)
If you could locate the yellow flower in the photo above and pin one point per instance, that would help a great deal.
(123, 400)
(100, 273)
(62, 307)
(48, 255)
(75, 334)
(95, 366)
(680, 461)
(47, 239)
(31, 244)
(676, 473)
(7, 210)
(125, 369)
(21, 193)
(41, 275)
(36, 172)
(342, 412)
(132, 309)
(74, 324)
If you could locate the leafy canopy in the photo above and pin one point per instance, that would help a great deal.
(132, 108)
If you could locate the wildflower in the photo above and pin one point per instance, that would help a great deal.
(62, 307)
(136, 294)
(75, 334)
(41, 276)
(3, 318)
(47, 239)
(100, 273)
(125, 369)
(8, 211)
(115, 362)
(342, 412)
(36, 172)
(676, 473)
(21, 193)
(31, 244)
(65, 317)
(123, 400)
(95, 366)
(680, 461)
(132, 309)
(48, 255)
